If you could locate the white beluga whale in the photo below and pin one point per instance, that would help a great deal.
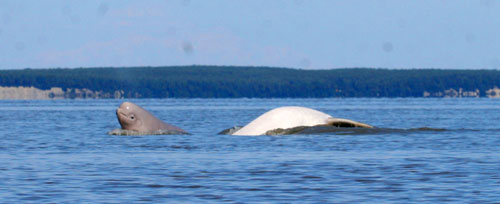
(293, 117)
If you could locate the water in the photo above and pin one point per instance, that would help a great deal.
(59, 152)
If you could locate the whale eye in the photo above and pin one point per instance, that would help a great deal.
(132, 117)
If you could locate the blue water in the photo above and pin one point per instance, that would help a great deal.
(59, 152)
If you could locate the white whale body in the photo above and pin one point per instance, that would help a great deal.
(293, 116)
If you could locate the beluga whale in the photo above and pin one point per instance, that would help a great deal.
(135, 120)
(292, 120)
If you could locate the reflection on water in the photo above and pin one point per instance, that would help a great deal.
(122, 132)
(423, 150)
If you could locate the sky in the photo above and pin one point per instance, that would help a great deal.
(304, 34)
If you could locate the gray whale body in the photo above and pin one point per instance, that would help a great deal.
(135, 120)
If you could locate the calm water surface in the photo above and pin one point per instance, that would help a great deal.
(59, 152)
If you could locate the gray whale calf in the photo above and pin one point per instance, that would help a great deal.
(135, 120)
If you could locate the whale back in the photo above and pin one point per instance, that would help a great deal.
(284, 117)
(346, 123)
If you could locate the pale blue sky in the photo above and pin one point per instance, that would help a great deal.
(308, 34)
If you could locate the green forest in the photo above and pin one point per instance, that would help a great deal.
(256, 82)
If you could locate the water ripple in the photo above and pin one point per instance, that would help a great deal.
(424, 150)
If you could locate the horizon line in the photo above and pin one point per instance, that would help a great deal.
(253, 66)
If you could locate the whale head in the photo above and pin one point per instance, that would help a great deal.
(133, 117)
(129, 116)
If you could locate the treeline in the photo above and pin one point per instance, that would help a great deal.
(254, 82)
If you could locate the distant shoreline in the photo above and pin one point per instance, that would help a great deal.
(245, 82)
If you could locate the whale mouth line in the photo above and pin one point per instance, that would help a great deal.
(121, 113)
